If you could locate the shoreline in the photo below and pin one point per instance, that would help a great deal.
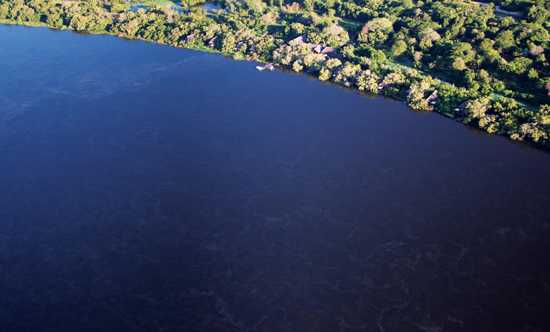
(419, 90)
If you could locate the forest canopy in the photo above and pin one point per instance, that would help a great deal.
(485, 64)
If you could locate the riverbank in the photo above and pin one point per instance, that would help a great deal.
(328, 54)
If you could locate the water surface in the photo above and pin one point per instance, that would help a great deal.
(146, 188)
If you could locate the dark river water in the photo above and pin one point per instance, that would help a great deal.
(146, 188)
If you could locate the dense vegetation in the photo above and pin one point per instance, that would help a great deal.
(484, 64)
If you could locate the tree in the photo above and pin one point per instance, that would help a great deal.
(309, 5)
(427, 37)
(476, 109)
(417, 98)
(543, 115)
(505, 40)
(334, 35)
(368, 81)
(325, 74)
(519, 65)
(489, 53)
(376, 31)
(399, 47)
(461, 54)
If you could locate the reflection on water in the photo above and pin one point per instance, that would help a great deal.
(146, 188)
